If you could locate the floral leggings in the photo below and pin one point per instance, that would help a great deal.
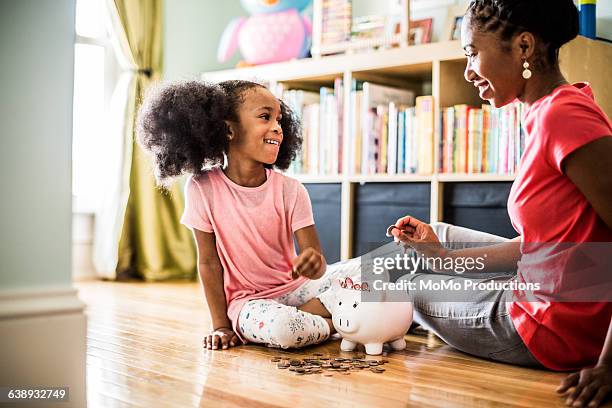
(278, 323)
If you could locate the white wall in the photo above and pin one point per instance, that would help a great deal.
(604, 19)
(36, 76)
(192, 30)
(42, 325)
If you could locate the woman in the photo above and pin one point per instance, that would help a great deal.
(561, 194)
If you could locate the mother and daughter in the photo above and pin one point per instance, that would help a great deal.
(246, 217)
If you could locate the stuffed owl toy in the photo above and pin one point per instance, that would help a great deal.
(276, 31)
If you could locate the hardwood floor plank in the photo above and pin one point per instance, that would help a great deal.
(144, 348)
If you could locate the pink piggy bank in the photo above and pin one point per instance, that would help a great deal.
(366, 318)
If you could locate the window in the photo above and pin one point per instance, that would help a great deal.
(95, 73)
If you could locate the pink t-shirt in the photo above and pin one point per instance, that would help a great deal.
(545, 206)
(254, 228)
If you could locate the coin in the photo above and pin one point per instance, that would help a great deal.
(326, 365)
(389, 229)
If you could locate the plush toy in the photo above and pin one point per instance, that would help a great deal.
(275, 31)
(368, 319)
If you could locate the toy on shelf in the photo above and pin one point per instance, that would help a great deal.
(276, 31)
(369, 319)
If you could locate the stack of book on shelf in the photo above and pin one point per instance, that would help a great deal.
(368, 27)
(321, 115)
(336, 21)
(481, 140)
(388, 133)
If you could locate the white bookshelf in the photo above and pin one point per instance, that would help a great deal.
(435, 69)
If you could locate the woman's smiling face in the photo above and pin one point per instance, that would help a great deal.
(493, 67)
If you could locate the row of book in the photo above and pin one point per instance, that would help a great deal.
(336, 21)
(481, 140)
(391, 131)
(321, 115)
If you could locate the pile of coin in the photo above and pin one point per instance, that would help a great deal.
(319, 364)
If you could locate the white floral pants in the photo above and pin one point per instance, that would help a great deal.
(278, 323)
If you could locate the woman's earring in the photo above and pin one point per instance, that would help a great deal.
(526, 71)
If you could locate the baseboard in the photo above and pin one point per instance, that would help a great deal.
(44, 333)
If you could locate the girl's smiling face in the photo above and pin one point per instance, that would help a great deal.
(493, 67)
(258, 135)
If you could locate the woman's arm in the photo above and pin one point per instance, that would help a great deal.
(590, 169)
(311, 262)
(500, 257)
(590, 385)
(211, 274)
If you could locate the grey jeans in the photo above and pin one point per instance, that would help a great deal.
(477, 322)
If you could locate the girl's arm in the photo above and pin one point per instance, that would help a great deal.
(211, 274)
(311, 262)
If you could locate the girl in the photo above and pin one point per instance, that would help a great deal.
(561, 195)
(244, 216)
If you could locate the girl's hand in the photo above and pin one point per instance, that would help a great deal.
(310, 264)
(591, 386)
(222, 337)
(419, 235)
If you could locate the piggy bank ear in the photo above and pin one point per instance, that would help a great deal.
(336, 285)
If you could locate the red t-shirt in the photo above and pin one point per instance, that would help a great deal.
(546, 207)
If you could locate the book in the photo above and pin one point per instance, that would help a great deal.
(481, 139)
(425, 129)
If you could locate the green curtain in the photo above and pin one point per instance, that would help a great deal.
(153, 244)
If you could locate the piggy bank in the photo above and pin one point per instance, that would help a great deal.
(361, 320)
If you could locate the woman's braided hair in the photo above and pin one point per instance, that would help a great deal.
(554, 22)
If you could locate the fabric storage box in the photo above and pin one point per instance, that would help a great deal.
(479, 206)
(378, 205)
(325, 199)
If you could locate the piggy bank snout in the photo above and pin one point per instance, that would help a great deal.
(346, 317)
(346, 323)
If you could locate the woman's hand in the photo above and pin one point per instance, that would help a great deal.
(419, 235)
(590, 386)
(310, 264)
(223, 337)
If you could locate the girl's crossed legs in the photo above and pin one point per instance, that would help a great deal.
(299, 318)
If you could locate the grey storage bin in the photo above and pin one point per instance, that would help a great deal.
(377, 205)
(325, 199)
(479, 206)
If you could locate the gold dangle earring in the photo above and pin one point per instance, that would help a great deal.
(526, 70)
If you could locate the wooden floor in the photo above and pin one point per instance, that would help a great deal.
(144, 349)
